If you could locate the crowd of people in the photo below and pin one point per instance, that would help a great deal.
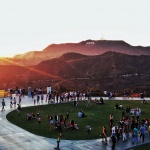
(60, 122)
(129, 123)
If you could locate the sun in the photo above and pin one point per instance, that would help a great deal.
(4, 54)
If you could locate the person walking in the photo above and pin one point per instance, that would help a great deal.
(142, 132)
(58, 142)
(11, 103)
(19, 100)
(3, 104)
(15, 102)
(113, 141)
(135, 135)
(111, 120)
(104, 135)
(18, 109)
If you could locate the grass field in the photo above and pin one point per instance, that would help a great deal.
(97, 116)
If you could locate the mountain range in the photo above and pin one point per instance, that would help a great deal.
(106, 71)
(88, 47)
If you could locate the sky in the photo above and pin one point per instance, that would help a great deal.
(28, 25)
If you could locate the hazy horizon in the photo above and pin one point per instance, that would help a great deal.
(33, 25)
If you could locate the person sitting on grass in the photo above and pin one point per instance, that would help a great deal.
(38, 113)
(75, 103)
(80, 114)
(88, 128)
(29, 117)
(127, 110)
(116, 106)
(76, 126)
(120, 106)
(72, 124)
(39, 119)
(58, 125)
(33, 115)
(67, 126)
(143, 101)
(83, 114)
(101, 101)
(95, 100)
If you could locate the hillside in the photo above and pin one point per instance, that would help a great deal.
(108, 71)
(88, 47)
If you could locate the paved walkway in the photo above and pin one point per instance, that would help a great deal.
(15, 138)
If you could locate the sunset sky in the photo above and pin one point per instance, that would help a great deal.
(34, 24)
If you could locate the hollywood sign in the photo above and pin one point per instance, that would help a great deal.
(90, 43)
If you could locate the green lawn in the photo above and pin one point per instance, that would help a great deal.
(99, 118)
